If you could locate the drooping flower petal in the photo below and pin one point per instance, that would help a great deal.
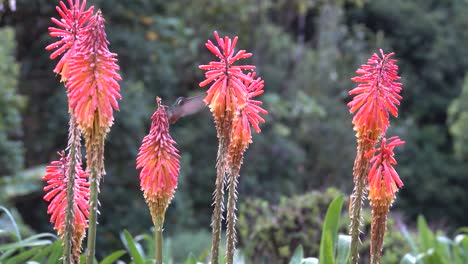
(159, 160)
(73, 20)
(93, 88)
(377, 94)
(56, 194)
(383, 180)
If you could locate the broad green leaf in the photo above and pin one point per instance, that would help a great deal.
(343, 249)
(409, 239)
(129, 243)
(444, 245)
(330, 231)
(433, 257)
(426, 237)
(310, 261)
(44, 253)
(191, 259)
(23, 244)
(112, 258)
(23, 256)
(297, 256)
(56, 253)
(149, 240)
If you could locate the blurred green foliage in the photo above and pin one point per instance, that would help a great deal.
(270, 233)
(11, 147)
(458, 121)
(430, 247)
(306, 51)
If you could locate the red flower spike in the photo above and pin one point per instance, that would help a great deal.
(247, 115)
(93, 88)
(383, 178)
(57, 178)
(377, 94)
(74, 18)
(159, 160)
(228, 90)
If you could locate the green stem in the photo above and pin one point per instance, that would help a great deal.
(93, 205)
(158, 240)
(218, 202)
(231, 216)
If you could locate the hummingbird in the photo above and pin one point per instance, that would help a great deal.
(185, 106)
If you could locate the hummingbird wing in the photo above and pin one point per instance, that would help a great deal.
(185, 107)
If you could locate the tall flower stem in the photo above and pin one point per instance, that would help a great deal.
(231, 214)
(158, 239)
(93, 205)
(95, 160)
(218, 200)
(73, 148)
(379, 224)
(360, 170)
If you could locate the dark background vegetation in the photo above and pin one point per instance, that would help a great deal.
(305, 50)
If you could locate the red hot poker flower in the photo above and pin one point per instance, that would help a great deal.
(159, 160)
(74, 19)
(383, 178)
(57, 178)
(93, 88)
(227, 91)
(377, 94)
(247, 115)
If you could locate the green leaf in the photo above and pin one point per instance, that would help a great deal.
(44, 253)
(23, 256)
(57, 252)
(426, 237)
(191, 259)
(409, 239)
(13, 222)
(23, 244)
(113, 257)
(129, 243)
(310, 261)
(297, 256)
(344, 249)
(444, 245)
(330, 231)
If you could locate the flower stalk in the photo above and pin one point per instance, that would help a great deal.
(89, 71)
(377, 95)
(159, 160)
(71, 253)
(229, 99)
(158, 239)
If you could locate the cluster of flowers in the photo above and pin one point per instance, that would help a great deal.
(377, 95)
(231, 101)
(89, 72)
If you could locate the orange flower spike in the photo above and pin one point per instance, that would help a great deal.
(159, 160)
(377, 94)
(57, 178)
(227, 90)
(248, 115)
(93, 88)
(73, 21)
(383, 178)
